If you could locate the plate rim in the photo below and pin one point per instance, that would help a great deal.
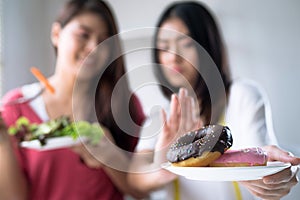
(275, 166)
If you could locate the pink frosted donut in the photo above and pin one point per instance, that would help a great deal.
(241, 158)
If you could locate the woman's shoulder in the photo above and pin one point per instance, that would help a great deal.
(12, 95)
(247, 88)
(11, 112)
(19, 92)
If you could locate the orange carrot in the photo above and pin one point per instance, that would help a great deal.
(36, 72)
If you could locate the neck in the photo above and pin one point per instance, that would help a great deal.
(75, 93)
(63, 86)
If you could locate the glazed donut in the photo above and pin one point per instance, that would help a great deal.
(241, 158)
(201, 147)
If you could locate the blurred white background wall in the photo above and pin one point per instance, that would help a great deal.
(262, 39)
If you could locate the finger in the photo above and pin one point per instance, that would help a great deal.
(166, 135)
(267, 194)
(189, 123)
(164, 120)
(260, 184)
(85, 156)
(282, 177)
(163, 115)
(264, 192)
(196, 117)
(194, 111)
(182, 93)
(174, 119)
(77, 147)
(174, 105)
(277, 154)
(182, 96)
(256, 184)
(80, 149)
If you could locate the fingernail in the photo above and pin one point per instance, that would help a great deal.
(173, 96)
(182, 91)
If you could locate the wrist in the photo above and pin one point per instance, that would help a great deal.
(4, 142)
(4, 137)
(160, 156)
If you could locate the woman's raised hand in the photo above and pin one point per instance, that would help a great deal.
(182, 119)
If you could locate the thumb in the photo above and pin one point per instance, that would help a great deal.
(277, 154)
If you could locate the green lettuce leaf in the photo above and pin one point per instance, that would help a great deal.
(62, 126)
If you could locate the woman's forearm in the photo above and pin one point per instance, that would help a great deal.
(12, 182)
(150, 181)
(115, 163)
(120, 179)
(146, 172)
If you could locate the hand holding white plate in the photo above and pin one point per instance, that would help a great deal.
(227, 173)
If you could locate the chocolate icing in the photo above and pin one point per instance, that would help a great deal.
(210, 138)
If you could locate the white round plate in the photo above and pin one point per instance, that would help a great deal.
(52, 143)
(227, 173)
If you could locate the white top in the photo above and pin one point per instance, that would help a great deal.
(37, 104)
(248, 115)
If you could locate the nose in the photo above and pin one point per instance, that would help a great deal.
(174, 53)
(91, 45)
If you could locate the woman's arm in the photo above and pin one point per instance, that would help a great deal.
(120, 179)
(115, 163)
(112, 160)
(146, 174)
(146, 164)
(12, 182)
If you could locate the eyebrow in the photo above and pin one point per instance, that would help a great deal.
(86, 28)
(179, 38)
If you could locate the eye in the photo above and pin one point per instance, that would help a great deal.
(84, 35)
(162, 47)
(187, 43)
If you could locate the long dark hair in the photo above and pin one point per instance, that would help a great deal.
(204, 30)
(110, 76)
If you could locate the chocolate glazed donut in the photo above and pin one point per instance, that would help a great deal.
(200, 147)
